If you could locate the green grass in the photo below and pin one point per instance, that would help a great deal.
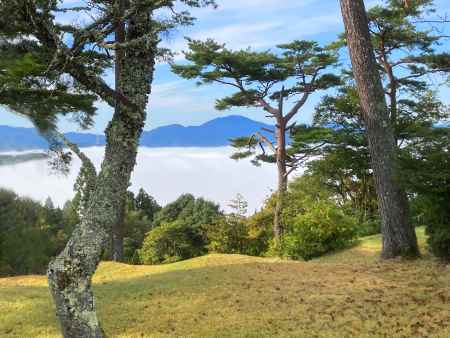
(348, 294)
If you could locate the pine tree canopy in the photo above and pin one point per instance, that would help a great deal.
(257, 76)
(50, 67)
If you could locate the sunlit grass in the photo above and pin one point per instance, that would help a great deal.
(350, 293)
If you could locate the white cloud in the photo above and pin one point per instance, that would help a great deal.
(165, 173)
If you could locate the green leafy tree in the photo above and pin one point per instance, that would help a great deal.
(196, 211)
(179, 230)
(229, 233)
(170, 242)
(30, 88)
(271, 81)
(427, 176)
(147, 204)
(23, 223)
(321, 229)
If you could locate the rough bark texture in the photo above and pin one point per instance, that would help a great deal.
(399, 238)
(117, 236)
(281, 158)
(117, 229)
(70, 274)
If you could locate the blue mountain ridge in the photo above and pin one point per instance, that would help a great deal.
(214, 133)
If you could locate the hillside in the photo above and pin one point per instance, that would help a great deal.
(213, 133)
(350, 293)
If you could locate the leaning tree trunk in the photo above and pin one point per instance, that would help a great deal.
(278, 227)
(70, 274)
(118, 227)
(399, 237)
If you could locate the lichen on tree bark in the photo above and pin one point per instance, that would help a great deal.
(70, 274)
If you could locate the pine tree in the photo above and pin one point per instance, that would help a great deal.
(399, 237)
(260, 80)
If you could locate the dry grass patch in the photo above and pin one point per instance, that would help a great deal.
(347, 294)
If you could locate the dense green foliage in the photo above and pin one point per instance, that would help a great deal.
(171, 242)
(321, 229)
(427, 174)
(179, 231)
(229, 233)
(24, 222)
(30, 234)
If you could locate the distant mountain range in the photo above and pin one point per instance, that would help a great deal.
(214, 133)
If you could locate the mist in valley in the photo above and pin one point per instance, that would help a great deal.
(165, 173)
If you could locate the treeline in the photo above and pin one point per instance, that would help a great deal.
(31, 233)
(20, 158)
(325, 209)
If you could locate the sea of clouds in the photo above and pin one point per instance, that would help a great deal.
(165, 173)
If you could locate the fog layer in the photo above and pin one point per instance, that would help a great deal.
(164, 173)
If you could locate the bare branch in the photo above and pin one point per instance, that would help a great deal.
(76, 150)
(265, 140)
(297, 106)
(268, 130)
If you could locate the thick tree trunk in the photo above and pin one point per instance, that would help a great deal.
(399, 238)
(278, 227)
(70, 274)
(117, 229)
(117, 236)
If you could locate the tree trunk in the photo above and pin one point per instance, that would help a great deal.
(117, 236)
(117, 229)
(278, 227)
(399, 237)
(70, 274)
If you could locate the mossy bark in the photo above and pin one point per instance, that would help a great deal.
(120, 36)
(70, 274)
(399, 237)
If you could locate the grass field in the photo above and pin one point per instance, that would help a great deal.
(347, 294)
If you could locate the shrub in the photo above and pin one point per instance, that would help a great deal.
(228, 234)
(369, 227)
(436, 217)
(171, 242)
(260, 232)
(321, 229)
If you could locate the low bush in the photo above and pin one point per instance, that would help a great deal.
(171, 242)
(319, 230)
(436, 218)
(228, 234)
(369, 227)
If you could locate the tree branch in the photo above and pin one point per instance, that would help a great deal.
(297, 106)
(76, 150)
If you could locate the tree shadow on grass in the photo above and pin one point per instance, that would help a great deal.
(261, 299)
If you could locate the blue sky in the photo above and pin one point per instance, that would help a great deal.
(259, 24)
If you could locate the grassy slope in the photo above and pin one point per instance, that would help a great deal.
(350, 293)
